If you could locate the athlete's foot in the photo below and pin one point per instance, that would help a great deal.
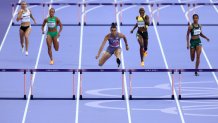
(196, 74)
(142, 64)
(118, 62)
(26, 53)
(22, 49)
(51, 62)
(145, 53)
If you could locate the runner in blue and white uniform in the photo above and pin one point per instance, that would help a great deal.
(113, 39)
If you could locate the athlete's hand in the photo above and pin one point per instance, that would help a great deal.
(131, 31)
(97, 56)
(142, 17)
(58, 35)
(127, 47)
(188, 46)
(208, 39)
(43, 32)
(21, 11)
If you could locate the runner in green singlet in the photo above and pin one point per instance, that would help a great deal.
(195, 29)
(53, 34)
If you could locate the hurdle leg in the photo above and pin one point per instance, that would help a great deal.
(158, 14)
(24, 73)
(173, 85)
(194, 9)
(188, 14)
(13, 10)
(31, 85)
(152, 16)
(84, 14)
(80, 89)
(180, 86)
(130, 85)
(79, 15)
(121, 14)
(74, 97)
(123, 97)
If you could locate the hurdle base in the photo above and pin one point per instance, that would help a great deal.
(158, 23)
(85, 23)
(74, 97)
(172, 97)
(180, 97)
(130, 97)
(31, 97)
(123, 97)
(24, 97)
(80, 97)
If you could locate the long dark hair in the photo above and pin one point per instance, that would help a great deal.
(113, 25)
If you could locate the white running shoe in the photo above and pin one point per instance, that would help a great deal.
(26, 53)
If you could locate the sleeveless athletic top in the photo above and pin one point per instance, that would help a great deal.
(52, 22)
(195, 30)
(114, 41)
(141, 22)
(25, 16)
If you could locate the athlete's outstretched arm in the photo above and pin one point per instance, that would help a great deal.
(31, 15)
(187, 36)
(61, 26)
(136, 25)
(43, 25)
(125, 40)
(102, 46)
(203, 36)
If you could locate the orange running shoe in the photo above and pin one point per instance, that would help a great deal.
(51, 62)
(145, 53)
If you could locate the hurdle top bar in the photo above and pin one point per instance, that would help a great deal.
(108, 70)
(124, 3)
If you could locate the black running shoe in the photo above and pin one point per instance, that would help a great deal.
(196, 74)
(118, 62)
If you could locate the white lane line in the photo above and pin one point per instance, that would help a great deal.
(163, 7)
(214, 6)
(63, 7)
(167, 67)
(214, 75)
(34, 74)
(203, 51)
(80, 58)
(9, 26)
(123, 64)
(190, 10)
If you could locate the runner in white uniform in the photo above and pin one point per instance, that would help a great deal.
(24, 16)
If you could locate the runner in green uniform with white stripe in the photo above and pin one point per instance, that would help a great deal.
(53, 34)
(195, 30)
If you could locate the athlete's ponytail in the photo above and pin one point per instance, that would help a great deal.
(113, 25)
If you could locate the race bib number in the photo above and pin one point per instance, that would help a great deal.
(51, 24)
(197, 32)
(141, 24)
